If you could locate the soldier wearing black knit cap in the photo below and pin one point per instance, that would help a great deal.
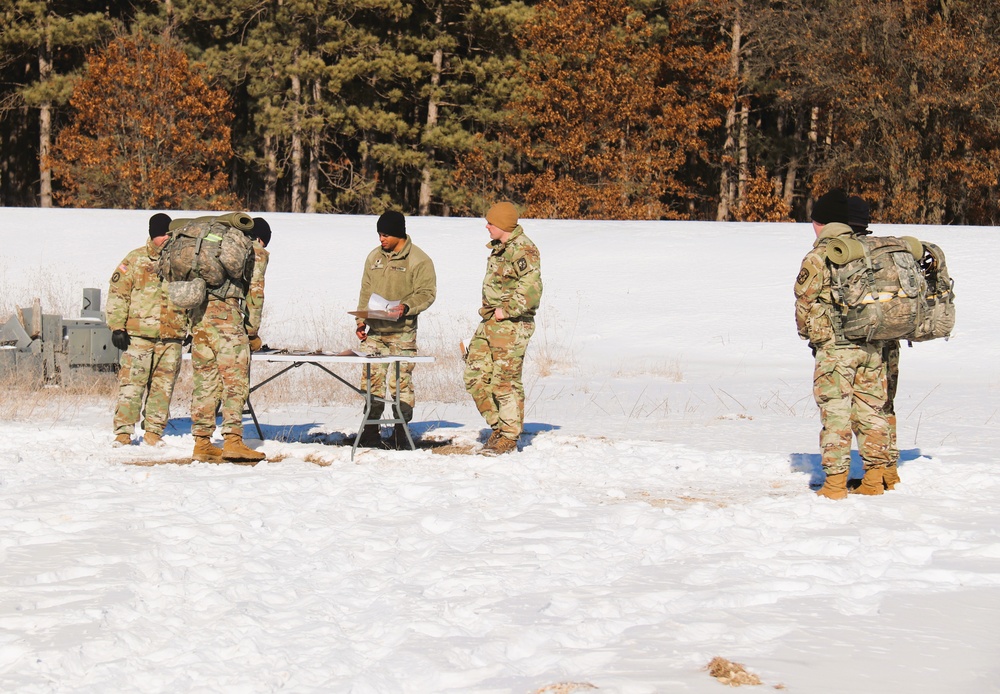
(261, 233)
(401, 273)
(849, 379)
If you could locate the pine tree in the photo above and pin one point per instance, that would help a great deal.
(146, 132)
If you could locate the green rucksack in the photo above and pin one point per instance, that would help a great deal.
(889, 288)
(207, 255)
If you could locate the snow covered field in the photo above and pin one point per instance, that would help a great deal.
(658, 515)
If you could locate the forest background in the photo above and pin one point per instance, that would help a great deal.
(580, 109)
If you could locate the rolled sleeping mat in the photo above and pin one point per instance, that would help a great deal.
(238, 220)
(841, 251)
(915, 246)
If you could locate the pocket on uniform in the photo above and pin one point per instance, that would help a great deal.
(827, 382)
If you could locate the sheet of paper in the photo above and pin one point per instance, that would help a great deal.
(380, 303)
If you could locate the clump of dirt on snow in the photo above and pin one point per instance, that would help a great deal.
(565, 688)
(733, 674)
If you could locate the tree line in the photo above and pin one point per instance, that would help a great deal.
(583, 109)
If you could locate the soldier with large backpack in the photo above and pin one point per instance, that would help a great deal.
(208, 264)
(857, 296)
(849, 380)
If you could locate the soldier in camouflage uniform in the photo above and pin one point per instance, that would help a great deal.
(849, 381)
(512, 291)
(255, 297)
(397, 270)
(149, 329)
(859, 216)
(220, 360)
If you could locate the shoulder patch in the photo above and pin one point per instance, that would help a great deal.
(522, 264)
(117, 276)
(803, 276)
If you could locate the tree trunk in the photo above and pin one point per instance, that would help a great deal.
(726, 191)
(744, 161)
(45, 123)
(312, 188)
(296, 145)
(270, 174)
(437, 61)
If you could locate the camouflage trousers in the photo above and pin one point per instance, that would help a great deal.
(148, 368)
(383, 376)
(849, 385)
(493, 365)
(890, 356)
(220, 359)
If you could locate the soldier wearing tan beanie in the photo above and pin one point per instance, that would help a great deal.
(512, 291)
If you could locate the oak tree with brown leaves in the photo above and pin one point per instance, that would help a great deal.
(147, 132)
(611, 110)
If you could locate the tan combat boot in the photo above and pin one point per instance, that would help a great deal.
(492, 440)
(205, 452)
(871, 483)
(122, 440)
(890, 477)
(235, 450)
(500, 446)
(835, 486)
(151, 438)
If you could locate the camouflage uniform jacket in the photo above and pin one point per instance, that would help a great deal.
(255, 296)
(816, 318)
(137, 299)
(407, 276)
(513, 279)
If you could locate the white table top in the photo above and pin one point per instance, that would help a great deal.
(303, 357)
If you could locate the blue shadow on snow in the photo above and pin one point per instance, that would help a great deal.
(813, 464)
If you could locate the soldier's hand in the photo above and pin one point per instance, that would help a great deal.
(120, 339)
(362, 332)
(499, 314)
(255, 343)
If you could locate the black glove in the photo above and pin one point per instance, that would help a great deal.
(119, 338)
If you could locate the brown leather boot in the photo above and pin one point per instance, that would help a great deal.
(205, 452)
(835, 486)
(492, 440)
(151, 438)
(235, 450)
(121, 440)
(890, 477)
(871, 483)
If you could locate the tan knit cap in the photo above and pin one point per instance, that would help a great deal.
(503, 215)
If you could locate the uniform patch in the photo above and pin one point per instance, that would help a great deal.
(123, 267)
(522, 264)
(115, 277)
(803, 276)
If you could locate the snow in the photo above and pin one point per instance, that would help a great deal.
(658, 515)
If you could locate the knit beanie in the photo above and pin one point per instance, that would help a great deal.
(261, 231)
(392, 223)
(831, 207)
(159, 225)
(858, 214)
(503, 215)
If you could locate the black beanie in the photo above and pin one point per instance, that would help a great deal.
(159, 225)
(831, 207)
(392, 223)
(261, 230)
(858, 214)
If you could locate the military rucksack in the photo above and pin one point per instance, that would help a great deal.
(889, 288)
(207, 255)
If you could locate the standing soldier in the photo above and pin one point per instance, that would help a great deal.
(149, 329)
(859, 216)
(255, 297)
(849, 380)
(397, 270)
(512, 290)
(220, 360)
